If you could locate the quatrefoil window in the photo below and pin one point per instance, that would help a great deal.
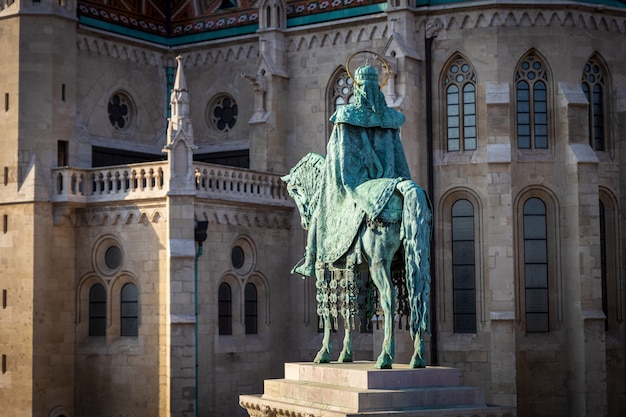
(120, 110)
(222, 113)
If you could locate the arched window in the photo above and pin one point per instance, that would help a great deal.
(603, 264)
(225, 306)
(339, 92)
(129, 311)
(531, 94)
(536, 294)
(593, 87)
(251, 309)
(612, 305)
(97, 311)
(342, 91)
(463, 267)
(460, 91)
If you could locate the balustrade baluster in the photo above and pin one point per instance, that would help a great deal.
(81, 181)
(73, 182)
(117, 183)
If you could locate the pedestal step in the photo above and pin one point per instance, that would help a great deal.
(358, 389)
(362, 374)
(348, 399)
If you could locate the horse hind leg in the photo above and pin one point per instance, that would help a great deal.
(381, 275)
(346, 351)
(418, 360)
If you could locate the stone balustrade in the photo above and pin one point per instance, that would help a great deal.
(221, 182)
(115, 183)
(150, 180)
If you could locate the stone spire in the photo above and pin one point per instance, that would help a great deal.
(179, 123)
(180, 144)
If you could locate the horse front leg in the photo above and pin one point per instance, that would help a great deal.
(323, 356)
(323, 310)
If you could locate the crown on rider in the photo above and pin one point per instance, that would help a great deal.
(366, 73)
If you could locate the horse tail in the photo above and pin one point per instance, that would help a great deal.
(416, 228)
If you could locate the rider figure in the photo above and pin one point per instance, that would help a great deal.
(364, 145)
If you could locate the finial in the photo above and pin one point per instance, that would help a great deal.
(180, 83)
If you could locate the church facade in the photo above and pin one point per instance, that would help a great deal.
(147, 239)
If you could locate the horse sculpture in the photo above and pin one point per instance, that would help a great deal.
(376, 243)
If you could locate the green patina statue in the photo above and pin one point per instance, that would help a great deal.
(360, 207)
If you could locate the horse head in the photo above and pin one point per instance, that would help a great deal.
(303, 185)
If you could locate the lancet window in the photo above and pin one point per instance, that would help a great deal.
(225, 309)
(251, 309)
(460, 94)
(129, 311)
(97, 310)
(536, 291)
(593, 87)
(464, 267)
(531, 94)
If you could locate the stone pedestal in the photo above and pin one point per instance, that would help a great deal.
(358, 389)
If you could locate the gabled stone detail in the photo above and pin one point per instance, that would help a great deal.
(245, 218)
(452, 20)
(124, 215)
(230, 53)
(337, 36)
(114, 49)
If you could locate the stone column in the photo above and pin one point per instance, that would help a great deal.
(181, 252)
(583, 319)
(500, 265)
(270, 83)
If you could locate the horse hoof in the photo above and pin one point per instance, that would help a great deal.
(383, 362)
(322, 357)
(417, 363)
(344, 358)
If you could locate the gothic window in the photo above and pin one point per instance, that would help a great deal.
(531, 95)
(342, 91)
(120, 110)
(603, 266)
(222, 113)
(97, 310)
(251, 309)
(535, 237)
(593, 87)
(460, 92)
(463, 267)
(129, 309)
(339, 92)
(612, 305)
(225, 306)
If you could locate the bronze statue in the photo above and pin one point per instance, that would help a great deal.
(360, 207)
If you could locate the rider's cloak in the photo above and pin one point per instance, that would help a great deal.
(364, 145)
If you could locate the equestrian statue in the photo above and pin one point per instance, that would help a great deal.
(362, 210)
